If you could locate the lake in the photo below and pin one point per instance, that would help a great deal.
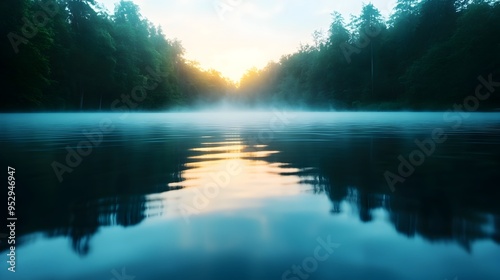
(253, 195)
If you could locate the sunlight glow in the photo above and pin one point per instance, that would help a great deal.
(258, 177)
(249, 33)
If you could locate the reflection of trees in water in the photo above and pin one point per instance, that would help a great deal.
(452, 196)
(445, 199)
(105, 190)
(434, 212)
(83, 220)
(86, 218)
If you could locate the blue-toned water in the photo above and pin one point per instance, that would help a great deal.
(260, 195)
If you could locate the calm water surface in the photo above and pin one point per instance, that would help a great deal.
(270, 195)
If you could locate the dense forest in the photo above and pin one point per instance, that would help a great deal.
(429, 56)
(72, 55)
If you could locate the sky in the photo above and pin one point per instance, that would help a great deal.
(232, 36)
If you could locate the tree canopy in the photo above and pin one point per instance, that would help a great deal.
(427, 56)
(72, 55)
(66, 55)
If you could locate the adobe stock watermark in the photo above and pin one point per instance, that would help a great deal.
(31, 27)
(223, 6)
(201, 198)
(126, 102)
(426, 148)
(279, 121)
(365, 38)
(122, 276)
(310, 264)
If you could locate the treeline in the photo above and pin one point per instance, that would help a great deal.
(73, 55)
(428, 56)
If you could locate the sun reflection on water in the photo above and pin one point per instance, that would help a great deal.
(234, 174)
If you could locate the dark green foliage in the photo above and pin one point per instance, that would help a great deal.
(72, 55)
(427, 57)
(77, 57)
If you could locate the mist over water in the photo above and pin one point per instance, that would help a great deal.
(371, 152)
(247, 195)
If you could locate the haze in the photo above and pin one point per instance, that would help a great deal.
(233, 36)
